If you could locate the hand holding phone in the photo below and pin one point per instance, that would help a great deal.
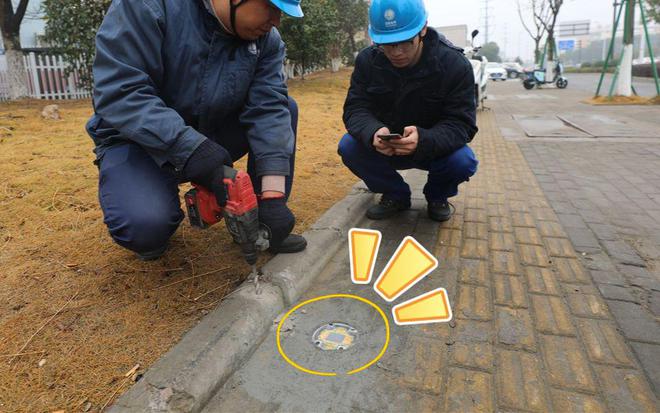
(380, 145)
(389, 136)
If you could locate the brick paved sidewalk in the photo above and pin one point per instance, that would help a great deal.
(531, 332)
(549, 341)
(607, 195)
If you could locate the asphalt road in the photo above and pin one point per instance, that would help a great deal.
(589, 82)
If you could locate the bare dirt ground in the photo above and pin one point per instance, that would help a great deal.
(77, 312)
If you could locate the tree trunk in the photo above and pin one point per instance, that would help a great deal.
(537, 52)
(335, 64)
(15, 68)
(624, 81)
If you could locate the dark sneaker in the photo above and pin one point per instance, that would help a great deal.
(386, 208)
(440, 211)
(291, 244)
(152, 255)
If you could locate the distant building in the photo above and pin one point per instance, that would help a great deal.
(458, 34)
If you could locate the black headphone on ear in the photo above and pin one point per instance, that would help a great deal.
(232, 13)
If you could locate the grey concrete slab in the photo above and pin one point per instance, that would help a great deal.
(649, 355)
(268, 382)
(599, 125)
(636, 323)
(547, 126)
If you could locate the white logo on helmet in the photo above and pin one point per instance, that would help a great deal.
(390, 18)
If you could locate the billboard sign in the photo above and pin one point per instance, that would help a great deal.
(566, 45)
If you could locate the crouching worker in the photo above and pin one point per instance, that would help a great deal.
(411, 104)
(181, 89)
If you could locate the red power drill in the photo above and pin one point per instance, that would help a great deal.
(241, 214)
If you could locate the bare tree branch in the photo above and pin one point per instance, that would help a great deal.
(20, 10)
(522, 20)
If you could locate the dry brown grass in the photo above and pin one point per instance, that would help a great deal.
(622, 100)
(55, 247)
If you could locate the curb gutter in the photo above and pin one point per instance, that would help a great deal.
(187, 376)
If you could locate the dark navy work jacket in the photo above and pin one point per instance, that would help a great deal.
(166, 76)
(437, 95)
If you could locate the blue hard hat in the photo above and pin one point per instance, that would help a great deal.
(290, 7)
(392, 21)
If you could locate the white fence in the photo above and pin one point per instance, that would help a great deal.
(4, 86)
(46, 79)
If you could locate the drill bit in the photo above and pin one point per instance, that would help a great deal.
(255, 278)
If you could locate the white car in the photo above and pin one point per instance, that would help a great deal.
(496, 71)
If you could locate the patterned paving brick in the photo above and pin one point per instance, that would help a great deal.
(497, 210)
(523, 219)
(533, 255)
(474, 331)
(509, 291)
(587, 305)
(475, 215)
(544, 214)
(502, 241)
(515, 328)
(505, 263)
(564, 401)
(566, 365)
(560, 247)
(448, 254)
(475, 248)
(473, 355)
(528, 236)
(626, 390)
(519, 383)
(551, 229)
(474, 272)
(542, 281)
(496, 198)
(475, 202)
(604, 343)
(475, 230)
(552, 315)
(474, 391)
(518, 206)
(450, 238)
(571, 271)
(419, 365)
(474, 303)
(500, 224)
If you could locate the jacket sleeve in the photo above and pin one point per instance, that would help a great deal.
(266, 112)
(458, 120)
(128, 70)
(359, 119)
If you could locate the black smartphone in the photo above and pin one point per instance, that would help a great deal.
(390, 136)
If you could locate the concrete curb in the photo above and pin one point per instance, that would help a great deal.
(185, 378)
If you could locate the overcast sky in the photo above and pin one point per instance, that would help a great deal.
(506, 29)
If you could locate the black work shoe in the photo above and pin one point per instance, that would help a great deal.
(291, 244)
(386, 208)
(151, 255)
(440, 211)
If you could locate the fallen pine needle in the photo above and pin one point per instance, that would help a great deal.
(127, 377)
(132, 371)
(21, 354)
(42, 327)
(190, 278)
(210, 291)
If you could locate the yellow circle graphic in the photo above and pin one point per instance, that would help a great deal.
(325, 297)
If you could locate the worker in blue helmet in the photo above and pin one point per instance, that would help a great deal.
(182, 88)
(411, 105)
